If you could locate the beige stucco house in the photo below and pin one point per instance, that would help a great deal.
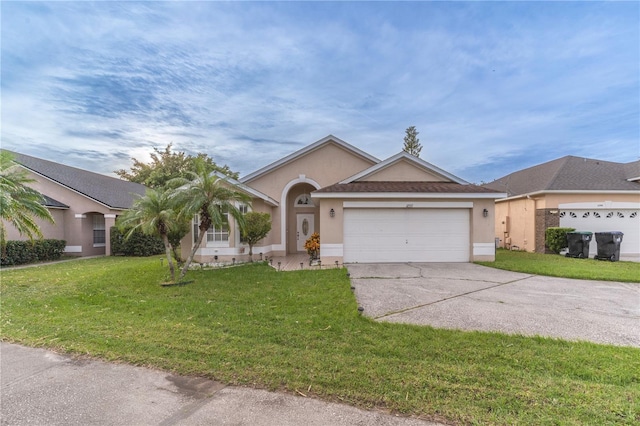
(402, 209)
(83, 204)
(581, 193)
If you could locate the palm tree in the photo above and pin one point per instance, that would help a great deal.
(210, 197)
(153, 214)
(20, 205)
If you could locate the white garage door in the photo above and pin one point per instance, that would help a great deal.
(406, 235)
(626, 221)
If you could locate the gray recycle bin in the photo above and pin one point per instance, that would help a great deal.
(609, 245)
(579, 244)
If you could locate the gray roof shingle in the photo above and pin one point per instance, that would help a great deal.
(50, 202)
(112, 192)
(569, 174)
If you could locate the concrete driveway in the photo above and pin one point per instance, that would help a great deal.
(472, 297)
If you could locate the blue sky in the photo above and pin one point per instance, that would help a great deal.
(492, 87)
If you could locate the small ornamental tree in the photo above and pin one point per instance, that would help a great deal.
(312, 245)
(153, 214)
(256, 227)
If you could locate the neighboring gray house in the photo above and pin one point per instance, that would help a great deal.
(84, 204)
(581, 193)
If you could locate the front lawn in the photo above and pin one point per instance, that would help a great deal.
(300, 332)
(556, 265)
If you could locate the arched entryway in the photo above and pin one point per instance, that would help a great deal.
(301, 216)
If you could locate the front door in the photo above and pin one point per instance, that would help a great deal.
(304, 230)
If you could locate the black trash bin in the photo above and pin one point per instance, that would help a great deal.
(609, 245)
(578, 244)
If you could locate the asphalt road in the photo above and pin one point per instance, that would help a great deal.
(40, 387)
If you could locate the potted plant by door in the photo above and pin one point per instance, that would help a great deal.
(312, 245)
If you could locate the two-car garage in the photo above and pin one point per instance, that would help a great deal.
(406, 232)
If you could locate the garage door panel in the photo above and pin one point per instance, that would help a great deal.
(406, 235)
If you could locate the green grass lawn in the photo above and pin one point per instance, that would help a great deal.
(300, 332)
(559, 266)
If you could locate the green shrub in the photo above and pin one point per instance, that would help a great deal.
(23, 252)
(556, 238)
(138, 244)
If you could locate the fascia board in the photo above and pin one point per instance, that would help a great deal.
(600, 206)
(304, 151)
(406, 195)
(404, 204)
(576, 191)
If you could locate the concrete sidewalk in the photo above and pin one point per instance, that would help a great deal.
(40, 387)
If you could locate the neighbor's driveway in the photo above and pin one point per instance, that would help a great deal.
(473, 297)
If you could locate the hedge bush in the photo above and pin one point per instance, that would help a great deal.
(556, 238)
(23, 252)
(138, 244)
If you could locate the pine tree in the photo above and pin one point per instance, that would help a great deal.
(411, 142)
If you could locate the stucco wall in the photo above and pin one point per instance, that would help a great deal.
(515, 223)
(326, 165)
(403, 171)
(553, 200)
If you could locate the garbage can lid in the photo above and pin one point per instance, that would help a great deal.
(610, 233)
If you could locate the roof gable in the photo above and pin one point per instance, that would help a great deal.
(247, 189)
(109, 191)
(306, 151)
(632, 171)
(408, 168)
(568, 174)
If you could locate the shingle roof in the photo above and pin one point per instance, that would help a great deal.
(404, 187)
(569, 174)
(112, 192)
(50, 202)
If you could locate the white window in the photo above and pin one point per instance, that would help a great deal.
(99, 231)
(215, 234)
(303, 200)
